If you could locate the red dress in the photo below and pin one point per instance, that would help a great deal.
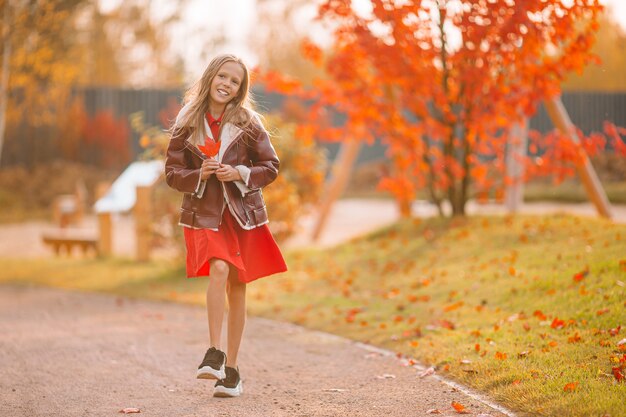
(253, 252)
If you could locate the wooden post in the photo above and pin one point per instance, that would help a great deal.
(516, 149)
(342, 167)
(105, 238)
(587, 174)
(143, 208)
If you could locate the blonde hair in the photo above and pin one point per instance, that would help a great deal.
(239, 111)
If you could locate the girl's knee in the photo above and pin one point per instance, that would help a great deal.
(219, 269)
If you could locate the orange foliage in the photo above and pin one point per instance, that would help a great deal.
(107, 139)
(442, 98)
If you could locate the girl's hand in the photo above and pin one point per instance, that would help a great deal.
(227, 173)
(209, 166)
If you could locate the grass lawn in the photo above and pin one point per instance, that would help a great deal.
(526, 309)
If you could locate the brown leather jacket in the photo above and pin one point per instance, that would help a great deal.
(250, 152)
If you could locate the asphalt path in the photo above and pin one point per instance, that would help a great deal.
(65, 353)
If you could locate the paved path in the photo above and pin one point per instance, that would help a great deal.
(353, 217)
(80, 354)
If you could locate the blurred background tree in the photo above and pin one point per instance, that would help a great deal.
(40, 61)
(610, 74)
(128, 47)
(51, 48)
(282, 25)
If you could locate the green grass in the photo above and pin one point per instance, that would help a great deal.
(572, 192)
(457, 294)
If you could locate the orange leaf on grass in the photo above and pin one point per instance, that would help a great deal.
(574, 339)
(557, 324)
(618, 374)
(501, 356)
(210, 148)
(579, 276)
(615, 331)
(571, 387)
(459, 408)
(452, 307)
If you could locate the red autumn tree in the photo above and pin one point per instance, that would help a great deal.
(441, 81)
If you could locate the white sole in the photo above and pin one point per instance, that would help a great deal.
(206, 372)
(221, 391)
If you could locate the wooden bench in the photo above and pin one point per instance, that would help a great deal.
(64, 242)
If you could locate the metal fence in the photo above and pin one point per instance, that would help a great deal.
(587, 110)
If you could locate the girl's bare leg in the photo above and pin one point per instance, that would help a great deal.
(215, 298)
(236, 316)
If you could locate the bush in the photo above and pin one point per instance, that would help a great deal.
(28, 193)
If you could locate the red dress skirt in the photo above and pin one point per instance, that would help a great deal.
(254, 252)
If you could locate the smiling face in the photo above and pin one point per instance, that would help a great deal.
(225, 86)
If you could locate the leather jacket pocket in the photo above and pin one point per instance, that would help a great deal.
(186, 217)
(254, 205)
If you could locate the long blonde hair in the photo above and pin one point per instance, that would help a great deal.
(239, 111)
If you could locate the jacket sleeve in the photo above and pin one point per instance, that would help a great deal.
(178, 174)
(264, 160)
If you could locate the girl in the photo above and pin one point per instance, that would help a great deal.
(220, 157)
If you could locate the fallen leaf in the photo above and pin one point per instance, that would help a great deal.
(621, 342)
(615, 331)
(602, 311)
(453, 307)
(459, 408)
(574, 339)
(434, 411)
(571, 387)
(579, 276)
(501, 356)
(618, 374)
(557, 324)
(427, 372)
(130, 410)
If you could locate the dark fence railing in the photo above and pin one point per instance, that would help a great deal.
(587, 110)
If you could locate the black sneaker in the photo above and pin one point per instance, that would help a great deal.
(230, 386)
(213, 364)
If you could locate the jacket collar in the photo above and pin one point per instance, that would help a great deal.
(228, 135)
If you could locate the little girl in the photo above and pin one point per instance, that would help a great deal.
(220, 156)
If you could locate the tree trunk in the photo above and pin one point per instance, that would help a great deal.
(465, 182)
(4, 75)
